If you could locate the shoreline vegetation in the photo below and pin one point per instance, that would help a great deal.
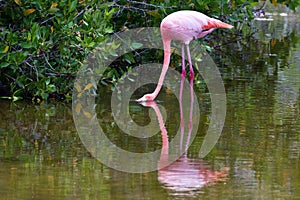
(43, 43)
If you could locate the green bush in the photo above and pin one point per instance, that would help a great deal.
(43, 43)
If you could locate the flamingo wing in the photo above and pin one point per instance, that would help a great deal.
(188, 25)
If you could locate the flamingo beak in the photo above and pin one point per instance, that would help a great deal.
(146, 98)
(224, 25)
(217, 24)
(140, 100)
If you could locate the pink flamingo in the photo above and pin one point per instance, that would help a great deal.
(184, 26)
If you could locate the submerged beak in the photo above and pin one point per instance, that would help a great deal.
(140, 100)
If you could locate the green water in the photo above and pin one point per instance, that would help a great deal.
(256, 157)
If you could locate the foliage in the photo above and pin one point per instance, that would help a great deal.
(43, 43)
(137, 14)
(43, 50)
(292, 4)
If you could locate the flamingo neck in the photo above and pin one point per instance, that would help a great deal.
(167, 55)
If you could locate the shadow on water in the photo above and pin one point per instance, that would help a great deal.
(257, 156)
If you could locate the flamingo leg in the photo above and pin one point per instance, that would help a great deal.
(190, 62)
(191, 85)
(183, 73)
(181, 113)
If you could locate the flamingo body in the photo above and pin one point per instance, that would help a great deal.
(184, 26)
(187, 25)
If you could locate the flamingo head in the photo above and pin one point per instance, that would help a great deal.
(146, 97)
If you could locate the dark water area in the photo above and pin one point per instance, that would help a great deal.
(256, 157)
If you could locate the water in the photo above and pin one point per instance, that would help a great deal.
(256, 157)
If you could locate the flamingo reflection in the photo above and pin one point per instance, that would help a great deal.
(185, 176)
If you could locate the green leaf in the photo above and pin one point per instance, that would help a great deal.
(72, 5)
(129, 58)
(108, 30)
(92, 44)
(45, 96)
(136, 45)
(53, 10)
(51, 88)
(113, 52)
(252, 4)
(26, 45)
(47, 81)
(20, 82)
(4, 64)
(17, 95)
